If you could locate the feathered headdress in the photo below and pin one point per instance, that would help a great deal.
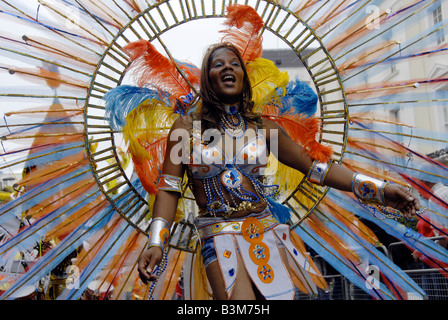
(146, 113)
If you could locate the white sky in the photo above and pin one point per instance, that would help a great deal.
(189, 41)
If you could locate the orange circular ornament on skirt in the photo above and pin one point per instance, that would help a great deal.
(253, 230)
(259, 253)
(265, 273)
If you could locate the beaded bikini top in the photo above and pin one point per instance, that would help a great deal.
(220, 171)
(209, 160)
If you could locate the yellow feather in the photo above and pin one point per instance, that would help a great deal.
(265, 79)
(147, 124)
(285, 177)
(288, 179)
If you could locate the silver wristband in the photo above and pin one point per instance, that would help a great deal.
(318, 172)
(368, 189)
(159, 233)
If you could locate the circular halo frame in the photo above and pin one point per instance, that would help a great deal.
(168, 14)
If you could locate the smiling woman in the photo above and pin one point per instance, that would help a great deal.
(248, 260)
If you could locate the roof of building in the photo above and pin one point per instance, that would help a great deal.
(283, 58)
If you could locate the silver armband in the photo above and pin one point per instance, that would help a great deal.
(170, 183)
(318, 172)
(159, 233)
(368, 189)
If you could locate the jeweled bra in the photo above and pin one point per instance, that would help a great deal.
(218, 170)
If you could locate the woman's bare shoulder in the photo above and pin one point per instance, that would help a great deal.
(269, 124)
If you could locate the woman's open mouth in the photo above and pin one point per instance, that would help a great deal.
(228, 78)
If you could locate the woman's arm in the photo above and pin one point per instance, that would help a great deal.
(336, 175)
(165, 205)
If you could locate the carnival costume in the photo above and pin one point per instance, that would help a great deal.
(82, 216)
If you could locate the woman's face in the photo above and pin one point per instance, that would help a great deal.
(226, 75)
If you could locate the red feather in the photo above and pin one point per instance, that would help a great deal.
(244, 31)
(150, 67)
(303, 130)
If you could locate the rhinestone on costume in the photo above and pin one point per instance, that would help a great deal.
(227, 253)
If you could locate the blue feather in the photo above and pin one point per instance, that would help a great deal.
(280, 212)
(120, 101)
(300, 98)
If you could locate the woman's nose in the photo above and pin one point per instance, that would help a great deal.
(228, 65)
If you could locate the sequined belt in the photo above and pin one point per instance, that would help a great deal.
(212, 226)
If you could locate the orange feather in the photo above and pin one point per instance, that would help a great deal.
(302, 130)
(244, 31)
(148, 169)
(150, 67)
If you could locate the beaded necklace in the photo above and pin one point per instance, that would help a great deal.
(234, 129)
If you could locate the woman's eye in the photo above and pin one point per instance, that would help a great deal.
(220, 64)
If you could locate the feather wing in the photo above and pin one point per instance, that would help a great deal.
(299, 98)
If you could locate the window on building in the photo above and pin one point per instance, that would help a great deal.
(393, 68)
(395, 114)
(437, 18)
(8, 182)
(437, 15)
